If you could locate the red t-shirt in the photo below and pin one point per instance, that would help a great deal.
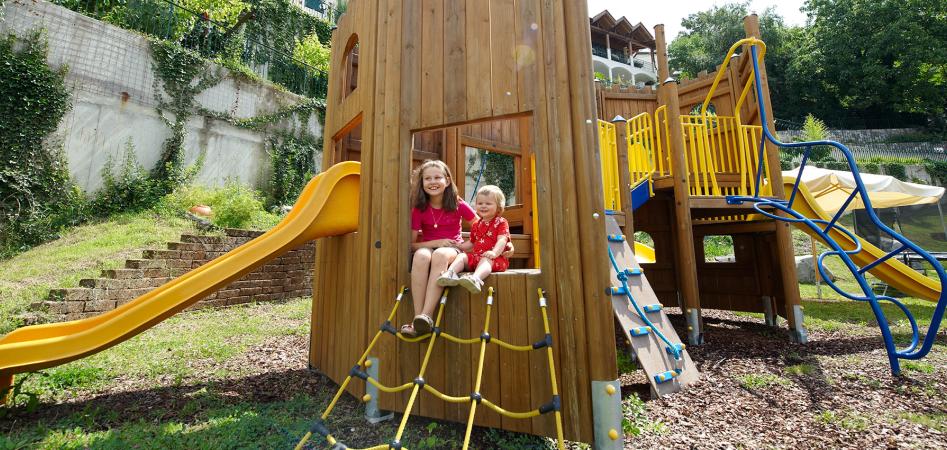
(434, 223)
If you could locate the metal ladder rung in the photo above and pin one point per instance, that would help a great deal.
(640, 331)
(664, 377)
(616, 290)
(653, 308)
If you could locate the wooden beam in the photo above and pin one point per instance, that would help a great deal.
(685, 258)
(787, 266)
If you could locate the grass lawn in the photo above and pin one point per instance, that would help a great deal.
(228, 378)
(81, 252)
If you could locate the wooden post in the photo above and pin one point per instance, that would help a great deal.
(683, 230)
(787, 263)
(624, 177)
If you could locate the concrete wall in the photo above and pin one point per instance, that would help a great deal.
(110, 74)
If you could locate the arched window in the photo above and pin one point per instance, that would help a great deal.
(350, 66)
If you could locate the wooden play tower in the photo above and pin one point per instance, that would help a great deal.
(427, 79)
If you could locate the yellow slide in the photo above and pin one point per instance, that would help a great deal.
(327, 206)
(892, 271)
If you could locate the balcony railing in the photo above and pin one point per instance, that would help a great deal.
(599, 50)
(620, 58)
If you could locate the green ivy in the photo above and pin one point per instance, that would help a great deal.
(895, 169)
(937, 170)
(182, 74)
(37, 197)
(294, 163)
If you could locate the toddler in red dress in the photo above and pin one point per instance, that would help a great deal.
(488, 238)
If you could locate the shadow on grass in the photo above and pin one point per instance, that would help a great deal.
(268, 410)
(271, 410)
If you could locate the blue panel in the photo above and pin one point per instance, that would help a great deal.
(640, 194)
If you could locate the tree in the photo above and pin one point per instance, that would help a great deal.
(709, 35)
(883, 56)
(312, 52)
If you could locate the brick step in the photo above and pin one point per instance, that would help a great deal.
(161, 254)
(186, 246)
(123, 274)
(145, 264)
(111, 284)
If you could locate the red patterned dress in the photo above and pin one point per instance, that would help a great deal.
(484, 235)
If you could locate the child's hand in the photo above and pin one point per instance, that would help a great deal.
(490, 254)
(447, 243)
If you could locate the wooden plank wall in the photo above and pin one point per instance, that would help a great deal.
(626, 102)
(425, 64)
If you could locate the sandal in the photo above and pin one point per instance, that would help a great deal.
(407, 330)
(448, 278)
(423, 324)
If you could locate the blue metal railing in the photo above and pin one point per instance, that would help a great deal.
(822, 227)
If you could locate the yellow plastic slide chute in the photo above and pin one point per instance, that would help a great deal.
(327, 206)
(892, 271)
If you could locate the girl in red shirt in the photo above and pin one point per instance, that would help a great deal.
(435, 238)
(488, 238)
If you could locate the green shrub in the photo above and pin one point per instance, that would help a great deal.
(870, 167)
(895, 169)
(937, 170)
(236, 206)
(131, 189)
(814, 129)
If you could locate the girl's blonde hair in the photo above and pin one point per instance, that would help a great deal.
(497, 194)
(419, 198)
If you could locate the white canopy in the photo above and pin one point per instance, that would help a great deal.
(831, 189)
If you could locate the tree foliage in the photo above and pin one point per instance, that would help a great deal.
(857, 63)
(883, 56)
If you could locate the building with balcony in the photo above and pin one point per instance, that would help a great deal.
(622, 53)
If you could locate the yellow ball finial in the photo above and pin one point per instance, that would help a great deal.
(613, 434)
(610, 389)
(368, 363)
(367, 397)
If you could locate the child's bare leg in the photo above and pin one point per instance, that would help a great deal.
(420, 272)
(459, 264)
(441, 258)
(484, 269)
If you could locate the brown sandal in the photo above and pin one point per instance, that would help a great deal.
(407, 330)
(423, 324)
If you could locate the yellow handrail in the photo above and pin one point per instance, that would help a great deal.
(608, 150)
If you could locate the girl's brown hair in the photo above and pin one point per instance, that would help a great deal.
(419, 198)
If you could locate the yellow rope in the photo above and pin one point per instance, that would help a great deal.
(390, 390)
(445, 397)
(552, 371)
(427, 357)
(460, 340)
(483, 350)
(515, 415)
(518, 348)
(448, 398)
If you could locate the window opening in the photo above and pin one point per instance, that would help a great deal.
(719, 249)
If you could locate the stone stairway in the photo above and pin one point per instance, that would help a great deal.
(286, 277)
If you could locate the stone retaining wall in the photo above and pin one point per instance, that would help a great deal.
(286, 277)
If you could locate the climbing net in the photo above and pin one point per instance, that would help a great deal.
(475, 398)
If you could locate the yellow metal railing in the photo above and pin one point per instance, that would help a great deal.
(643, 144)
(608, 152)
(716, 148)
